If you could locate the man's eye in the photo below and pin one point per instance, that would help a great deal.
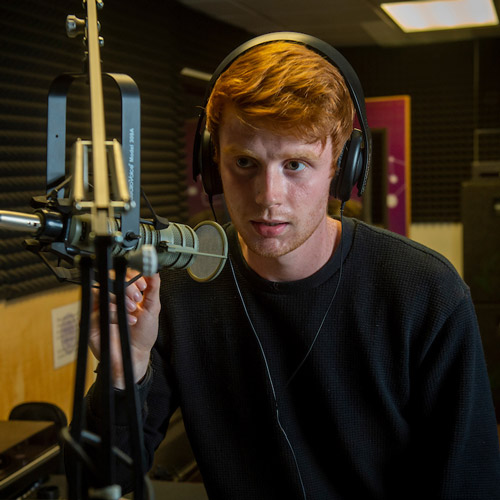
(296, 165)
(244, 162)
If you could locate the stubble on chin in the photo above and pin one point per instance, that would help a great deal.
(273, 248)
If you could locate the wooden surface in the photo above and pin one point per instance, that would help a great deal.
(26, 353)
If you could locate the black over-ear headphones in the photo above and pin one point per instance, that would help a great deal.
(355, 159)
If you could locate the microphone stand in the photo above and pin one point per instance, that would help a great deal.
(77, 437)
(126, 189)
(93, 227)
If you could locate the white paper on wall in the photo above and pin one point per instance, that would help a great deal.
(65, 327)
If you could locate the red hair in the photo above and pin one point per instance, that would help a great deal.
(284, 86)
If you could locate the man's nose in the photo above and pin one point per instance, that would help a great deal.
(269, 187)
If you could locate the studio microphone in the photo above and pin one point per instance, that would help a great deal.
(202, 250)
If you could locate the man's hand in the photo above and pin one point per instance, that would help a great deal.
(143, 307)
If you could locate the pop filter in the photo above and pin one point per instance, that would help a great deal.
(212, 252)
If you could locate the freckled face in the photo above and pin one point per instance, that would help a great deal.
(276, 188)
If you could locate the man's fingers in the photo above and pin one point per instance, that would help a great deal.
(151, 300)
(133, 292)
(113, 318)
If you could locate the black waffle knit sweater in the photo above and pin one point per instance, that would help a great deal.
(393, 401)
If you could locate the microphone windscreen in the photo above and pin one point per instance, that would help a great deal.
(212, 240)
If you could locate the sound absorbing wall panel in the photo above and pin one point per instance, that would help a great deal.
(148, 42)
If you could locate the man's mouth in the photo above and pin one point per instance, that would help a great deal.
(269, 228)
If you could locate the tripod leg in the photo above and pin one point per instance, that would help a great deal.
(103, 258)
(133, 406)
(75, 486)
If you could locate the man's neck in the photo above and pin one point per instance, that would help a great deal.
(300, 263)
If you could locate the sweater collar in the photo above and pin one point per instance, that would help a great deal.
(315, 280)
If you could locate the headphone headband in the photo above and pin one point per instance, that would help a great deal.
(323, 49)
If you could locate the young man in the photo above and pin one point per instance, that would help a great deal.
(327, 360)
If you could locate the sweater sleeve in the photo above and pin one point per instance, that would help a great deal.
(455, 437)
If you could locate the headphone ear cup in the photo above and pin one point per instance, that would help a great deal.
(349, 167)
(212, 182)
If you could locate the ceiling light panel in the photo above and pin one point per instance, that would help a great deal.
(433, 15)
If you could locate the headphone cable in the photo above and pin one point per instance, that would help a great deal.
(264, 357)
(331, 300)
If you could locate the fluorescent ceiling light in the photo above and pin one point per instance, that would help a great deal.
(441, 14)
(194, 73)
